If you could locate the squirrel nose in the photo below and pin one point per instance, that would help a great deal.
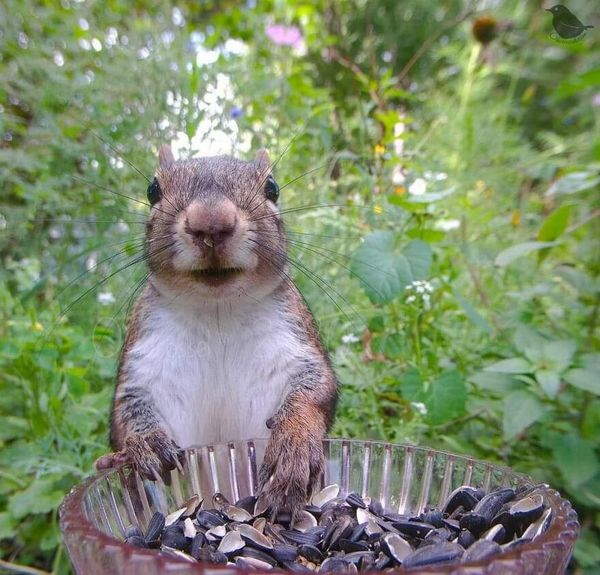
(211, 224)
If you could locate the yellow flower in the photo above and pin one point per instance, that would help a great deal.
(480, 186)
(378, 209)
(515, 218)
(379, 149)
(400, 190)
(38, 326)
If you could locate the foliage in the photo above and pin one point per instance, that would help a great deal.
(442, 211)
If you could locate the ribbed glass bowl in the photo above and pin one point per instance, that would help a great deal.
(94, 516)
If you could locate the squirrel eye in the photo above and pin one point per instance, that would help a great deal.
(154, 192)
(271, 189)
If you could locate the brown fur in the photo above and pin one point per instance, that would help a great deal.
(194, 194)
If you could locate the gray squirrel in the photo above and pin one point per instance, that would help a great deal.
(220, 345)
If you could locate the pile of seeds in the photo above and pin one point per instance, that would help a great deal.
(348, 534)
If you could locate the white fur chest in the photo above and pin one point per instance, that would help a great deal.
(215, 375)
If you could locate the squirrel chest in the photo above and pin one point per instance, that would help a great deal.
(215, 374)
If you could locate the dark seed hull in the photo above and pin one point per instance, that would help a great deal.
(336, 534)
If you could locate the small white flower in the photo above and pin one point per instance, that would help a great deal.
(91, 261)
(447, 225)
(58, 58)
(112, 35)
(420, 407)
(55, 232)
(411, 299)
(106, 298)
(96, 44)
(235, 47)
(177, 17)
(84, 44)
(83, 24)
(350, 338)
(418, 187)
(398, 178)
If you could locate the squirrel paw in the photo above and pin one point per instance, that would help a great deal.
(291, 468)
(152, 454)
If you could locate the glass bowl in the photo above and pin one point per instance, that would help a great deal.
(95, 514)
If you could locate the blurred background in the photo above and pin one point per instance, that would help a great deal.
(440, 169)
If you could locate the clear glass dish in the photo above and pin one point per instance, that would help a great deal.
(95, 514)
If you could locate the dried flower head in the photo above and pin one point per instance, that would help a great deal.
(485, 29)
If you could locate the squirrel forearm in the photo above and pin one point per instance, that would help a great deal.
(134, 412)
(310, 404)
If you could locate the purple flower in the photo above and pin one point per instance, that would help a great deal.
(284, 35)
(236, 112)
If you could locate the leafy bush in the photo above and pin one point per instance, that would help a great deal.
(440, 195)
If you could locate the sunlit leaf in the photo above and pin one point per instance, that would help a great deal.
(511, 365)
(446, 398)
(576, 458)
(386, 270)
(521, 409)
(509, 255)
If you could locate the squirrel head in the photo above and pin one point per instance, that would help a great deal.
(214, 231)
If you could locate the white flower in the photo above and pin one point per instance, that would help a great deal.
(398, 177)
(235, 47)
(418, 187)
(58, 58)
(420, 407)
(411, 299)
(106, 298)
(350, 338)
(447, 225)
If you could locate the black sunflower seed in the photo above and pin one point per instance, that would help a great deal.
(480, 550)
(155, 527)
(311, 553)
(432, 554)
(355, 500)
(136, 541)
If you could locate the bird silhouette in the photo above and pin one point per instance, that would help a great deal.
(566, 24)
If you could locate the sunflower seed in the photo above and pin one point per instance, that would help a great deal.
(326, 494)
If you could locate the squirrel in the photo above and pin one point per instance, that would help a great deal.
(220, 345)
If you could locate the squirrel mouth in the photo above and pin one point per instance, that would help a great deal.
(216, 276)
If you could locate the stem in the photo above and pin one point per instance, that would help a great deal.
(22, 569)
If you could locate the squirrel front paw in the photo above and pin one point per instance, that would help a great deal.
(290, 470)
(151, 454)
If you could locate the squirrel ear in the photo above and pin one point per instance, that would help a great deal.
(165, 156)
(263, 162)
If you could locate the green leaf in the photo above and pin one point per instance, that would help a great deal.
(529, 342)
(549, 381)
(7, 525)
(575, 458)
(521, 409)
(422, 198)
(446, 398)
(587, 550)
(40, 497)
(497, 382)
(411, 385)
(573, 183)
(584, 379)
(558, 354)
(474, 316)
(590, 425)
(580, 280)
(508, 255)
(555, 224)
(386, 271)
(511, 365)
